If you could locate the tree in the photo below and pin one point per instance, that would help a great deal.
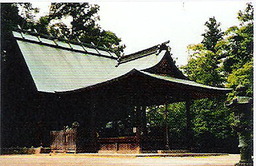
(237, 50)
(203, 67)
(242, 76)
(83, 20)
(83, 23)
(212, 126)
(204, 60)
(176, 121)
(212, 35)
(230, 58)
(10, 19)
(221, 59)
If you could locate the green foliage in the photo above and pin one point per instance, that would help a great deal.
(246, 15)
(110, 40)
(242, 76)
(221, 59)
(224, 60)
(212, 35)
(83, 21)
(28, 14)
(238, 52)
(203, 67)
(204, 59)
(211, 116)
(155, 116)
(176, 121)
(227, 61)
(10, 19)
(212, 126)
(83, 26)
(42, 25)
(239, 48)
(239, 42)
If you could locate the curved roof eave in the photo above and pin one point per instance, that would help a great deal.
(185, 82)
(134, 71)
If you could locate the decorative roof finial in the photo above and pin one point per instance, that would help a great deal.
(163, 46)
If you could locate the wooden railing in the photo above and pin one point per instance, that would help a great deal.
(130, 144)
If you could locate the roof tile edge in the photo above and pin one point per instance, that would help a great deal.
(156, 49)
(39, 41)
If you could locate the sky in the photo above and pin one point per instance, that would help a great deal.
(142, 24)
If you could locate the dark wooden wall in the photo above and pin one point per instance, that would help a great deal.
(28, 116)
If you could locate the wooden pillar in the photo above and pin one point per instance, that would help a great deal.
(143, 120)
(138, 127)
(189, 136)
(93, 130)
(167, 143)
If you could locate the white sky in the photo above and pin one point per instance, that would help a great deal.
(143, 24)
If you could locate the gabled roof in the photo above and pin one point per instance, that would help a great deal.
(58, 66)
(139, 54)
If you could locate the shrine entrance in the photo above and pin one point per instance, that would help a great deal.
(64, 140)
(118, 112)
(130, 134)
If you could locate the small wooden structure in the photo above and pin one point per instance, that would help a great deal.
(131, 144)
(63, 140)
(63, 82)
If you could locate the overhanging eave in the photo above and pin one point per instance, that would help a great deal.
(152, 89)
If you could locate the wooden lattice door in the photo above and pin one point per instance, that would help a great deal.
(64, 140)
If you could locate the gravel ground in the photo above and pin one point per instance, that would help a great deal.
(83, 160)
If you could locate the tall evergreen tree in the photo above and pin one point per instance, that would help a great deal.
(237, 50)
(212, 35)
(231, 59)
(204, 60)
(209, 115)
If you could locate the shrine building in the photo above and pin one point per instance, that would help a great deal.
(48, 84)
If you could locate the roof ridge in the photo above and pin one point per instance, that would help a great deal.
(71, 46)
(36, 34)
(142, 53)
(148, 50)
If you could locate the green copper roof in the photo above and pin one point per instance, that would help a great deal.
(184, 82)
(55, 69)
(57, 66)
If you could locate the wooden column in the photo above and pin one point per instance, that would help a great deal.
(189, 136)
(93, 130)
(138, 127)
(143, 120)
(167, 143)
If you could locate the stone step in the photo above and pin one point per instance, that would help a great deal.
(173, 151)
